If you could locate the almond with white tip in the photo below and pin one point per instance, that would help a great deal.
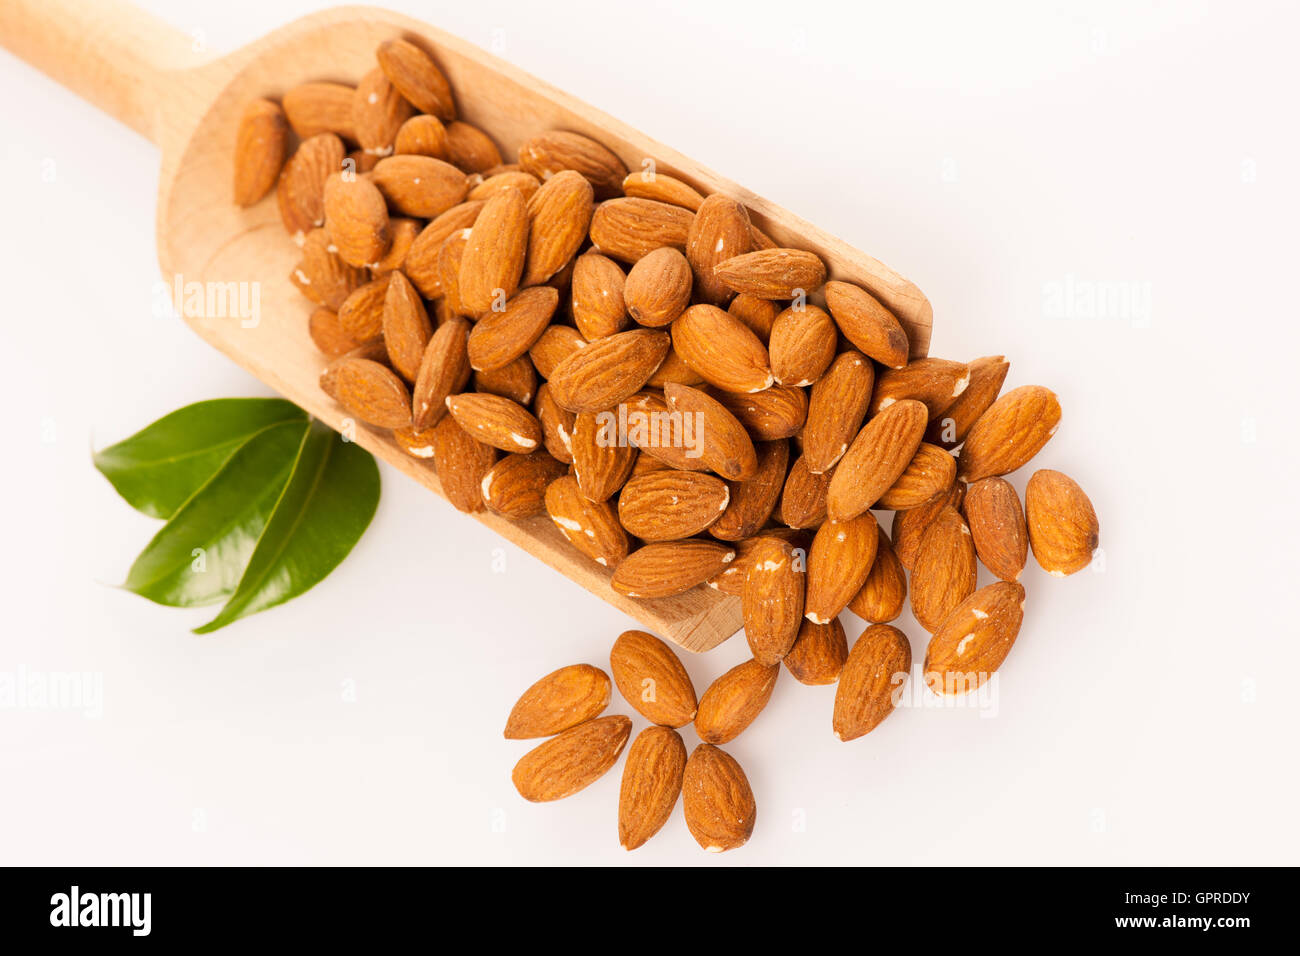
(934, 382)
(879, 454)
(773, 599)
(818, 654)
(515, 487)
(717, 800)
(975, 639)
(722, 349)
(1012, 431)
(839, 561)
(669, 505)
(664, 568)
(590, 526)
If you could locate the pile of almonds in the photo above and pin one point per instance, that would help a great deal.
(498, 317)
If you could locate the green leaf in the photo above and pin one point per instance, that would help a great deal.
(158, 468)
(199, 555)
(326, 506)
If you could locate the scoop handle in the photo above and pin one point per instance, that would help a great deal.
(108, 52)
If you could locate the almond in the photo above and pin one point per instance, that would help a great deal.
(315, 108)
(772, 600)
(443, 371)
(558, 425)
(950, 428)
(494, 258)
(362, 313)
(328, 335)
(720, 231)
(598, 296)
(651, 678)
(652, 782)
(500, 337)
(802, 345)
(406, 326)
(731, 579)
(872, 328)
(664, 568)
(419, 185)
(722, 349)
(945, 572)
(372, 351)
(607, 371)
(669, 505)
(496, 421)
(773, 273)
(559, 214)
(526, 183)
(753, 500)
(881, 598)
(575, 759)
(554, 345)
(422, 260)
(723, 443)
(1011, 432)
(323, 277)
(716, 800)
(373, 393)
(878, 456)
(876, 669)
(301, 191)
(803, 501)
(417, 78)
(261, 144)
(416, 442)
(839, 561)
(515, 487)
(649, 184)
(934, 382)
(909, 526)
(591, 526)
(516, 381)
(659, 432)
(422, 135)
(461, 462)
(929, 475)
(356, 219)
(550, 153)
(601, 465)
(378, 112)
(658, 288)
(628, 229)
(471, 149)
(731, 702)
(759, 315)
(774, 413)
(836, 409)
(975, 639)
(997, 525)
(562, 699)
(404, 232)
(673, 370)
(1063, 526)
(818, 654)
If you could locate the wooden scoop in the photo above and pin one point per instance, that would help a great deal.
(149, 75)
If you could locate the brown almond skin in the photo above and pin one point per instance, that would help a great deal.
(934, 382)
(602, 374)
(650, 184)
(362, 313)
(802, 345)
(417, 77)
(328, 335)
(373, 393)
(753, 500)
(720, 231)
(651, 678)
(652, 782)
(322, 276)
(669, 505)
(716, 800)
(731, 702)
(1013, 430)
(496, 421)
(300, 194)
(261, 144)
(526, 183)
(314, 108)
(421, 264)
(836, 408)
(818, 654)
(839, 561)
(356, 219)
(407, 329)
(1063, 527)
(548, 153)
(997, 525)
(665, 568)
(909, 526)
(590, 526)
(731, 579)
(773, 273)
(929, 475)
(975, 639)
(422, 135)
(559, 215)
(404, 232)
(872, 328)
(674, 370)
(880, 453)
(658, 288)
(494, 258)
(722, 349)
(558, 425)
(653, 429)
(461, 462)
(772, 600)
(774, 413)
(758, 315)
(372, 350)
(881, 598)
(471, 149)
(599, 292)
(725, 446)
(498, 338)
(575, 759)
(444, 370)
(876, 667)
(420, 186)
(378, 111)
(418, 443)
(554, 345)
(628, 229)
(803, 500)
(516, 381)
(601, 465)
(950, 429)
(515, 487)
(560, 700)
(945, 571)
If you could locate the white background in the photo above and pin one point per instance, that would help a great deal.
(1147, 712)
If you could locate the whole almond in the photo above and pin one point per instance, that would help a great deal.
(722, 441)
(944, 574)
(590, 526)
(656, 430)
(562, 699)
(599, 287)
(949, 429)
(558, 425)
(419, 185)
(406, 327)
(909, 526)
(872, 328)
(356, 219)
(731, 702)
(759, 315)
(716, 799)
(818, 654)
(607, 371)
(772, 600)
(444, 370)
(651, 678)
(658, 288)
(549, 153)
(652, 782)
(876, 669)
(416, 442)
(261, 144)
(600, 463)
(839, 561)
(651, 184)
(731, 579)
(496, 421)
(997, 525)
(722, 349)
(836, 408)
(628, 229)
(553, 346)
(494, 257)
(500, 337)
(802, 345)
(378, 112)
(774, 413)
(575, 759)
(422, 135)
(515, 380)
(471, 149)
(664, 568)
(372, 393)
(929, 475)
(1011, 432)
(301, 190)
(720, 231)
(881, 597)
(417, 77)
(559, 215)
(461, 462)
(772, 273)
(362, 313)
(878, 456)
(515, 487)
(934, 382)
(323, 277)
(314, 108)
(675, 371)
(1063, 526)
(670, 505)
(421, 264)
(803, 500)
(328, 335)
(975, 639)
(372, 351)
(753, 500)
